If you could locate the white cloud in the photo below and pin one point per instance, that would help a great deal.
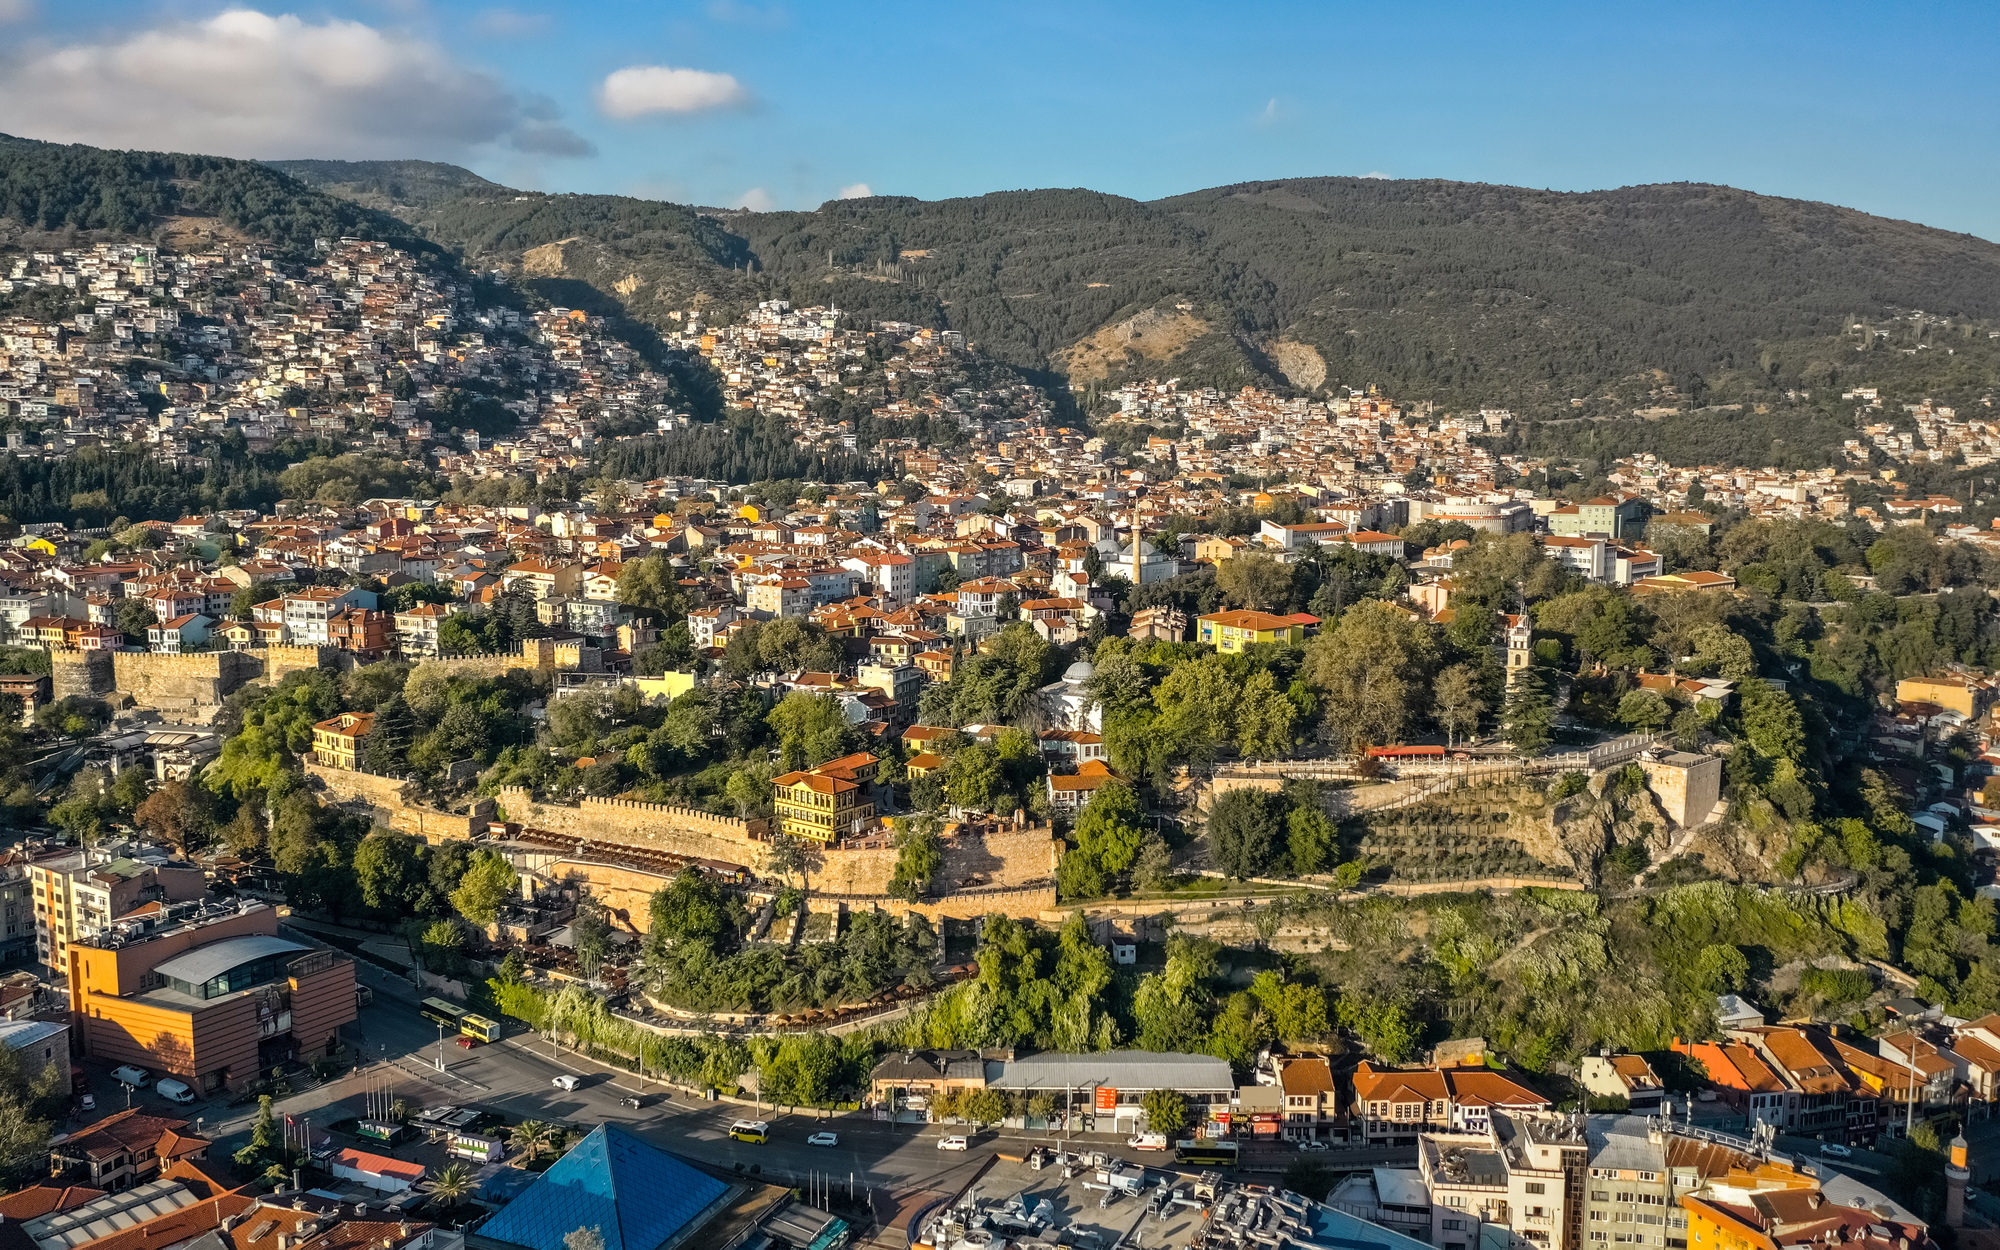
(16, 10)
(509, 24)
(854, 191)
(757, 200)
(1376, 173)
(638, 90)
(249, 84)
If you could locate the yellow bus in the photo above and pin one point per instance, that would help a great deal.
(479, 1028)
(754, 1131)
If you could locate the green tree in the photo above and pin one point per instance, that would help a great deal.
(1265, 717)
(691, 908)
(1528, 716)
(811, 729)
(1771, 720)
(1311, 841)
(974, 779)
(1644, 709)
(651, 584)
(984, 1107)
(1154, 867)
(386, 750)
(179, 814)
(1298, 1012)
(389, 868)
(453, 1185)
(1370, 671)
(590, 937)
(1109, 828)
(1166, 1109)
(133, 618)
(489, 881)
(919, 855)
(1459, 703)
(1244, 829)
(1257, 582)
(531, 1138)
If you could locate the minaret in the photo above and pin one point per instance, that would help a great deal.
(1956, 1174)
(1138, 577)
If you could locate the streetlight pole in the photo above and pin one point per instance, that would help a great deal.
(440, 1061)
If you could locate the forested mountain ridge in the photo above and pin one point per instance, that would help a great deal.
(1462, 292)
(390, 185)
(1557, 304)
(55, 191)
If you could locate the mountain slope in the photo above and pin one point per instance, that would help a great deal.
(52, 190)
(390, 185)
(1556, 304)
(1461, 292)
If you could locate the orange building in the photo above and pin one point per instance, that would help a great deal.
(213, 996)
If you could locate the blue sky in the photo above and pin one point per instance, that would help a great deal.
(1890, 108)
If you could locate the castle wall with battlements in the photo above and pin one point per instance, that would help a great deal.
(203, 679)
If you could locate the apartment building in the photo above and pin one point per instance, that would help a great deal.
(1312, 1100)
(417, 628)
(1522, 1176)
(307, 614)
(209, 993)
(1822, 1096)
(1392, 1107)
(1626, 1077)
(78, 892)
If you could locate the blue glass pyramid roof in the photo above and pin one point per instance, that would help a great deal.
(635, 1194)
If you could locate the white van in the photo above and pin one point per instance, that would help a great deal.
(128, 1075)
(173, 1090)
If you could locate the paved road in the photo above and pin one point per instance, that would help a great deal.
(894, 1165)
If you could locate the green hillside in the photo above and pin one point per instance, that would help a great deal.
(58, 189)
(390, 185)
(1668, 295)
(1560, 305)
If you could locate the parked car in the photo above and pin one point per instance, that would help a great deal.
(137, 1078)
(564, 1083)
(823, 1139)
(174, 1091)
(1834, 1150)
(1148, 1141)
(88, 1102)
(954, 1143)
(1309, 1144)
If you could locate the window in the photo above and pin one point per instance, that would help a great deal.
(1598, 1234)
(1537, 1187)
(1454, 1226)
(1600, 1195)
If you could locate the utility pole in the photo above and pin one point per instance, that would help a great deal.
(1910, 1109)
(440, 1059)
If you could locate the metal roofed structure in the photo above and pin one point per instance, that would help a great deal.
(112, 1213)
(206, 962)
(639, 1196)
(1116, 1069)
(1332, 1228)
